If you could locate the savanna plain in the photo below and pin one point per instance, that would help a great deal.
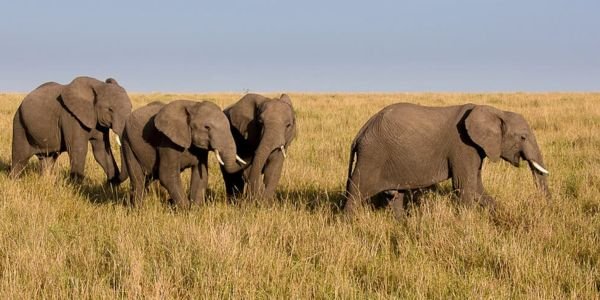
(60, 240)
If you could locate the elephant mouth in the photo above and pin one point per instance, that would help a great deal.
(516, 160)
(202, 145)
(534, 165)
(282, 149)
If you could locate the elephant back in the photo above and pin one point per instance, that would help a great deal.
(40, 112)
(141, 118)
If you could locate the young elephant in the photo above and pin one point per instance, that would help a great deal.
(55, 118)
(263, 128)
(161, 140)
(407, 146)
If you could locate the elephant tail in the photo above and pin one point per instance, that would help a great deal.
(364, 130)
(351, 165)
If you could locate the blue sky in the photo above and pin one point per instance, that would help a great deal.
(204, 46)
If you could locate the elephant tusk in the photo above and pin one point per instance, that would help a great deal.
(117, 139)
(539, 168)
(240, 160)
(219, 157)
(283, 151)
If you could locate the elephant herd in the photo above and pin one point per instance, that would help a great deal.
(401, 148)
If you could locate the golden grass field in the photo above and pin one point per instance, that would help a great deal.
(58, 240)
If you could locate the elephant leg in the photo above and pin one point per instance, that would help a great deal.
(47, 163)
(104, 156)
(234, 183)
(136, 175)
(169, 175)
(19, 162)
(484, 199)
(272, 173)
(199, 180)
(470, 187)
(21, 150)
(77, 151)
(466, 191)
(397, 204)
(358, 190)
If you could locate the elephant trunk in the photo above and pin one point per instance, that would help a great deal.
(227, 153)
(533, 155)
(272, 139)
(118, 127)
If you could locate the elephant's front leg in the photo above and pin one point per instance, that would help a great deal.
(234, 183)
(483, 197)
(169, 175)
(77, 150)
(470, 188)
(136, 174)
(199, 180)
(272, 173)
(103, 154)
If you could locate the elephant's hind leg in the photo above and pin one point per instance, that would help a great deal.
(47, 163)
(19, 161)
(397, 204)
(358, 190)
(21, 150)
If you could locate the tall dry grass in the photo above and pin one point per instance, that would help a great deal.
(58, 240)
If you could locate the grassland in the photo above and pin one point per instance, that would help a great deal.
(58, 240)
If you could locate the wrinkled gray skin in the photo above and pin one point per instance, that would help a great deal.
(407, 146)
(260, 127)
(55, 118)
(162, 140)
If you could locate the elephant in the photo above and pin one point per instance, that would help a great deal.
(161, 140)
(263, 129)
(407, 146)
(55, 118)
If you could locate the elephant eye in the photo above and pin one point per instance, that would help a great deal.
(288, 125)
(206, 127)
(523, 137)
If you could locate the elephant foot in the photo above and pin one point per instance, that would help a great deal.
(488, 202)
(13, 175)
(114, 182)
(179, 205)
(350, 206)
(76, 178)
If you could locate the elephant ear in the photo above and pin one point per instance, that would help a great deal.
(78, 96)
(291, 133)
(242, 115)
(111, 81)
(484, 127)
(285, 98)
(172, 121)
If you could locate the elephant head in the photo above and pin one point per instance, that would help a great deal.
(98, 104)
(268, 125)
(201, 124)
(506, 135)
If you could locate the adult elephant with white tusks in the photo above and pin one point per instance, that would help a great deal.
(263, 128)
(161, 140)
(55, 118)
(407, 146)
